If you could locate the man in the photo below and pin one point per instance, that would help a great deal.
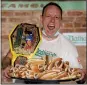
(54, 43)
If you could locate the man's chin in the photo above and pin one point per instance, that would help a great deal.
(50, 36)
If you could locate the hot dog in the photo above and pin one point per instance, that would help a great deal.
(48, 75)
(60, 75)
(52, 63)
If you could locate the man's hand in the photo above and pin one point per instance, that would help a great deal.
(6, 63)
(5, 75)
(83, 76)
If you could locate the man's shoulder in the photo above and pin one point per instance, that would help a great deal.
(66, 42)
(68, 46)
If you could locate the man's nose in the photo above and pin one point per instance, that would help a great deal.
(52, 19)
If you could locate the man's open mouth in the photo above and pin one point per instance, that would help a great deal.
(51, 27)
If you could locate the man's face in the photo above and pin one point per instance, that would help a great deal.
(51, 20)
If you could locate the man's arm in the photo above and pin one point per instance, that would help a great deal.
(6, 61)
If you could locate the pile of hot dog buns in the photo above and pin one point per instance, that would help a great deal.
(43, 69)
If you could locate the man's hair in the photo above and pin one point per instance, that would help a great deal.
(49, 4)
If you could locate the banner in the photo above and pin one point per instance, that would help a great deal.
(38, 5)
(76, 38)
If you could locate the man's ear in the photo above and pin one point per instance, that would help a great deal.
(61, 23)
(41, 18)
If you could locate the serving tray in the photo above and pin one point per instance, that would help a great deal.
(27, 80)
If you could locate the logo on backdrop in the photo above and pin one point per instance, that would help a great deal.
(76, 38)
